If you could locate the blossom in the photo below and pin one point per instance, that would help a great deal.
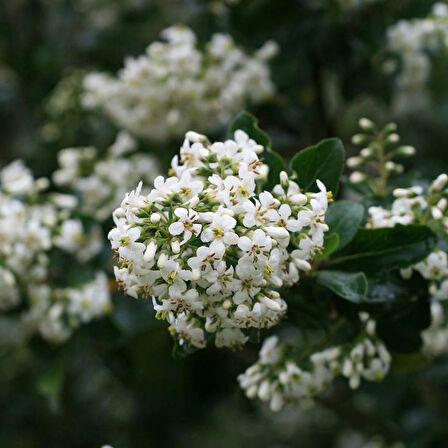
(209, 248)
(176, 86)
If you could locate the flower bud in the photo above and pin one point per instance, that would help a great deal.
(366, 125)
(357, 177)
(406, 150)
(175, 246)
(150, 251)
(298, 199)
(195, 137)
(161, 262)
(359, 139)
(354, 162)
(366, 152)
(155, 218)
(269, 303)
(279, 233)
(440, 183)
(393, 138)
(284, 179)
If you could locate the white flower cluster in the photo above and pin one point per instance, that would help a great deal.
(279, 380)
(175, 86)
(101, 182)
(211, 250)
(415, 41)
(56, 312)
(31, 226)
(414, 206)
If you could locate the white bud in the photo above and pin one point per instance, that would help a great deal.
(393, 138)
(196, 274)
(161, 262)
(175, 246)
(276, 281)
(436, 213)
(150, 251)
(279, 233)
(390, 166)
(366, 124)
(119, 212)
(298, 199)
(357, 177)
(302, 264)
(227, 212)
(284, 179)
(442, 204)
(403, 193)
(440, 183)
(155, 218)
(227, 304)
(269, 303)
(263, 391)
(357, 139)
(354, 162)
(407, 150)
(195, 137)
(42, 183)
(258, 149)
(276, 404)
(366, 152)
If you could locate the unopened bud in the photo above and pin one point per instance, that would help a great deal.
(155, 218)
(366, 125)
(357, 177)
(269, 303)
(175, 246)
(393, 138)
(440, 183)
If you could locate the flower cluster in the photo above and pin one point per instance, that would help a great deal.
(101, 182)
(175, 86)
(277, 378)
(376, 162)
(414, 41)
(415, 206)
(32, 226)
(211, 250)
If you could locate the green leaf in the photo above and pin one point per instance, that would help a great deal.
(373, 250)
(331, 245)
(324, 161)
(249, 124)
(350, 286)
(344, 218)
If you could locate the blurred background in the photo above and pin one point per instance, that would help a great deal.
(115, 381)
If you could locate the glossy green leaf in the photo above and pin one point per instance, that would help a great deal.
(348, 285)
(344, 218)
(324, 161)
(373, 250)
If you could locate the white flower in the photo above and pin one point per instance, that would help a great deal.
(186, 224)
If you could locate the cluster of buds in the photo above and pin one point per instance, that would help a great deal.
(211, 247)
(176, 86)
(415, 206)
(101, 182)
(278, 379)
(377, 159)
